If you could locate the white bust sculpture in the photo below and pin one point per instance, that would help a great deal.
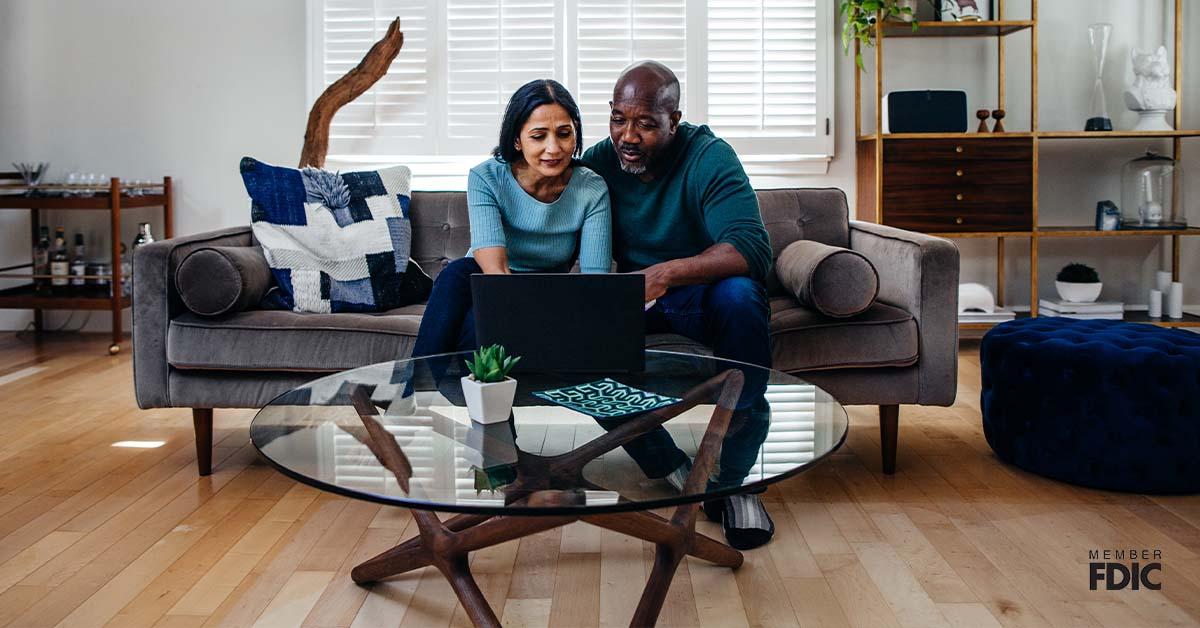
(1151, 94)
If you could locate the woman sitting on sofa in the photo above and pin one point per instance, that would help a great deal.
(531, 206)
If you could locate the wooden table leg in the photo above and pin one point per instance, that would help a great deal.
(677, 537)
(447, 545)
(650, 527)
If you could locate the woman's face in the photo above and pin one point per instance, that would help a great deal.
(548, 140)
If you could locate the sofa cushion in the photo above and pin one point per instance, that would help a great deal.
(336, 242)
(280, 340)
(802, 214)
(804, 340)
(217, 280)
(832, 280)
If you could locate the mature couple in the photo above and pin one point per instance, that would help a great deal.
(661, 197)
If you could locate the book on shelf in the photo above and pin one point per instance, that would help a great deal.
(1000, 315)
(1068, 307)
(1109, 316)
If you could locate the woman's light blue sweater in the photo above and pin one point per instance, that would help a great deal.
(540, 236)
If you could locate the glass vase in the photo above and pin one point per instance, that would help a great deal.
(1152, 193)
(1098, 119)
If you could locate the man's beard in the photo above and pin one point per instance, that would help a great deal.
(633, 168)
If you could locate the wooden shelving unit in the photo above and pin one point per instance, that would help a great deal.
(112, 199)
(871, 152)
(991, 28)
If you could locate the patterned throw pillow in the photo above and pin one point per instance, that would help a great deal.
(336, 242)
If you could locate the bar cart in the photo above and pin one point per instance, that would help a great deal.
(112, 198)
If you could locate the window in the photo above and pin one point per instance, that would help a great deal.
(759, 72)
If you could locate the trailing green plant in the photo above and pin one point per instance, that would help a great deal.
(1078, 273)
(491, 364)
(860, 21)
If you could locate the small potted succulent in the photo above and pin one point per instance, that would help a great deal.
(488, 390)
(1078, 283)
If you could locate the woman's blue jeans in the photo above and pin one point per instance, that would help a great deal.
(448, 323)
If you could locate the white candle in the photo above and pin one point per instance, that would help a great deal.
(1162, 281)
(1156, 304)
(1175, 300)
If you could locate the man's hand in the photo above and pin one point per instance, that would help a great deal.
(658, 280)
(714, 264)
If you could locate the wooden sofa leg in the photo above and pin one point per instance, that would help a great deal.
(202, 421)
(889, 426)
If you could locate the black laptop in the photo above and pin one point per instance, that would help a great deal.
(564, 322)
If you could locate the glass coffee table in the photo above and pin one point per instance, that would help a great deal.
(398, 433)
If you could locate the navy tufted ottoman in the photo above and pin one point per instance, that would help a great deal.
(1104, 404)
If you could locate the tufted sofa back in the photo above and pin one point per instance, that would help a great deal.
(442, 231)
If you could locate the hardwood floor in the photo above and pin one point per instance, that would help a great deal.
(92, 534)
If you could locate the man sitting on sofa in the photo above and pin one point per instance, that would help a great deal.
(684, 214)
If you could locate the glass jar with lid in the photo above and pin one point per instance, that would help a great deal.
(1152, 193)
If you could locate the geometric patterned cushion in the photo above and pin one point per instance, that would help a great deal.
(335, 242)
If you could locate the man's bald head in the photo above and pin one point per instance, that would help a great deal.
(645, 115)
(649, 82)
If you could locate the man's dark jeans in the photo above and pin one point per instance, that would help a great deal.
(731, 316)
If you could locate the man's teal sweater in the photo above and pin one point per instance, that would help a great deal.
(700, 196)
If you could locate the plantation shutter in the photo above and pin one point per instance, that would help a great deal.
(608, 36)
(394, 116)
(759, 72)
(492, 48)
(763, 79)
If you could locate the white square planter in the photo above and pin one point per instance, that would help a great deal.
(489, 403)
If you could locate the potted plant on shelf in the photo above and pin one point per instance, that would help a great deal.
(1078, 283)
(488, 390)
(861, 15)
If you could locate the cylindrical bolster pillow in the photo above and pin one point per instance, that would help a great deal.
(216, 280)
(834, 281)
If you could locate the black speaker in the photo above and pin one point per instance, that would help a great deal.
(925, 111)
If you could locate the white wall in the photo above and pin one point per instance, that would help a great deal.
(142, 88)
(145, 88)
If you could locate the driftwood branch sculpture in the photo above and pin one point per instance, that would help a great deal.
(357, 81)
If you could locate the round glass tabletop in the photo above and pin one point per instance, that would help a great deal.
(576, 443)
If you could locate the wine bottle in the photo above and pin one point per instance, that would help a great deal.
(41, 260)
(144, 235)
(60, 266)
(78, 264)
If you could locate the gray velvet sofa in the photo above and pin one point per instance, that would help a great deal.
(903, 350)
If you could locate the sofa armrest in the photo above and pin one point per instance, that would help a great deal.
(156, 302)
(919, 273)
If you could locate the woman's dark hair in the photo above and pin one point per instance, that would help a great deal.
(530, 96)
